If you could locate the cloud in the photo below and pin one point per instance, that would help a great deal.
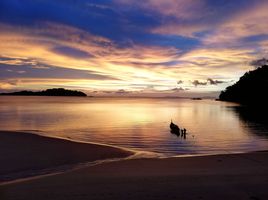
(179, 82)
(45, 71)
(190, 18)
(104, 46)
(185, 30)
(209, 81)
(76, 43)
(259, 62)
(182, 9)
(21, 72)
(177, 17)
(122, 91)
(177, 89)
(135, 64)
(72, 52)
(8, 84)
(197, 83)
(13, 60)
(43, 83)
(40, 67)
(107, 92)
(124, 64)
(241, 27)
(220, 63)
(214, 82)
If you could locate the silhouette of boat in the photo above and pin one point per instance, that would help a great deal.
(174, 128)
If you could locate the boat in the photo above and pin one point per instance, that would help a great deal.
(174, 128)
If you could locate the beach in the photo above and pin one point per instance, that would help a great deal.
(24, 154)
(133, 100)
(230, 176)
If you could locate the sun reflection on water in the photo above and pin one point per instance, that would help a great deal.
(140, 124)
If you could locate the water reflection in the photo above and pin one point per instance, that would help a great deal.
(256, 119)
(142, 124)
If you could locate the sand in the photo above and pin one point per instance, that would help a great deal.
(25, 154)
(233, 176)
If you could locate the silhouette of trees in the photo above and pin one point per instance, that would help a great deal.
(49, 92)
(251, 89)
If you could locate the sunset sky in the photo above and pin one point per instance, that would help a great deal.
(130, 47)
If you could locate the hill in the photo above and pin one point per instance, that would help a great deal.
(251, 89)
(48, 92)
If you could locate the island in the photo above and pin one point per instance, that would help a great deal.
(251, 89)
(48, 92)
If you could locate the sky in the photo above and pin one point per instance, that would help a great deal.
(183, 48)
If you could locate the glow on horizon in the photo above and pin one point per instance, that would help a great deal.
(164, 48)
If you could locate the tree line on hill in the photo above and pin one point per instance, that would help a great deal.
(48, 92)
(251, 89)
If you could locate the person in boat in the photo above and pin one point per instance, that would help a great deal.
(183, 133)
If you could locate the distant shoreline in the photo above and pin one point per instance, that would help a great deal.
(48, 92)
(129, 97)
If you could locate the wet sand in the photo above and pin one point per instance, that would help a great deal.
(25, 154)
(233, 176)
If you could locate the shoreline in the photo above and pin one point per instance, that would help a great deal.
(24, 155)
(127, 154)
(113, 173)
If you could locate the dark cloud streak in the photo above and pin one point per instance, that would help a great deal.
(48, 71)
(259, 62)
(71, 52)
(214, 82)
(197, 83)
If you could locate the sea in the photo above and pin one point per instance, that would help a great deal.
(139, 124)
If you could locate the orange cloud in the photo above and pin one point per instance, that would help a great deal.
(129, 66)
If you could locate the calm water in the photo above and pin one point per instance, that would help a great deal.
(140, 124)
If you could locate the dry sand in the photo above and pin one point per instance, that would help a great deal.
(236, 176)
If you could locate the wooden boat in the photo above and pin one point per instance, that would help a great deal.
(174, 128)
